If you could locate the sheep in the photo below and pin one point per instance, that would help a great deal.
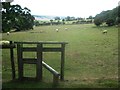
(104, 31)
(41, 31)
(8, 33)
(4, 42)
(66, 28)
(57, 30)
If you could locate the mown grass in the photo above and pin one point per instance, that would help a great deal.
(91, 57)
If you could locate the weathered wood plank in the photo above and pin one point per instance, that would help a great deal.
(45, 49)
(29, 60)
(39, 62)
(29, 49)
(20, 62)
(41, 42)
(54, 72)
(62, 61)
(7, 46)
(49, 49)
(12, 61)
(55, 80)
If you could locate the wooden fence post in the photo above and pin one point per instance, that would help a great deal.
(62, 61)
(20, 62)
(39, 62)
(55, 80)
(12, 60)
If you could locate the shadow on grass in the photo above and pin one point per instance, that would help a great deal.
(16, 84)
(27, 84)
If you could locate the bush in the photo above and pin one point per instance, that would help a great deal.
(97, 22)
(110, 22)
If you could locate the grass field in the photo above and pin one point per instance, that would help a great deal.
(91, 59)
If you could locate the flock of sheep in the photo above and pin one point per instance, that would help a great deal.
(103, 31)
(57, 30)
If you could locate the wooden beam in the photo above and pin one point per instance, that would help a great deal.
(7, 46)
(29, 49)
(44, 49)
(49, 49)
(62, 61)
(55, 80)
(29, 60)
(12, 61)
(20, 62)
(41, 42)
(54, 72)
(39, 62)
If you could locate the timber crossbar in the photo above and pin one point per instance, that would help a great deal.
(54, 72)
(40, 42)
(39, 49)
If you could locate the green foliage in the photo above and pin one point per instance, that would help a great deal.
(51, 21)
(98, 22)
(57, 18)
(68, 18)
(90, 17)
(63, 20)
(14, 17)
(109, 16)
(36, 23)
(110, 22)
(117, 21)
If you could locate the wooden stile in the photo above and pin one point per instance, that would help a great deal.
(38, 61)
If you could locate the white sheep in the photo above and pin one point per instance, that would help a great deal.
(104, 31)
(8, 33)
(4, 42)
(57, 30)
(66, 28)
(41, 31)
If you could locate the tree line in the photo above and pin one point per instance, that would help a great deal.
(57, 20)
(15, 17)
(110, 17)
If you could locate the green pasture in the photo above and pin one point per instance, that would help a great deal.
(91, 58)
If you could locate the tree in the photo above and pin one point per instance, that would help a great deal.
(109, 16)
(72, 18)
(79, 18)
(51, 21)
(110, 22)
(36, 23)
(57, 18)
(97, 22)
(13, 16)
(117, 21)
(68, 18)
(90, 17)
(63, 20)
(5, 19)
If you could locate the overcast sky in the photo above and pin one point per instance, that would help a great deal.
(77, 8)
